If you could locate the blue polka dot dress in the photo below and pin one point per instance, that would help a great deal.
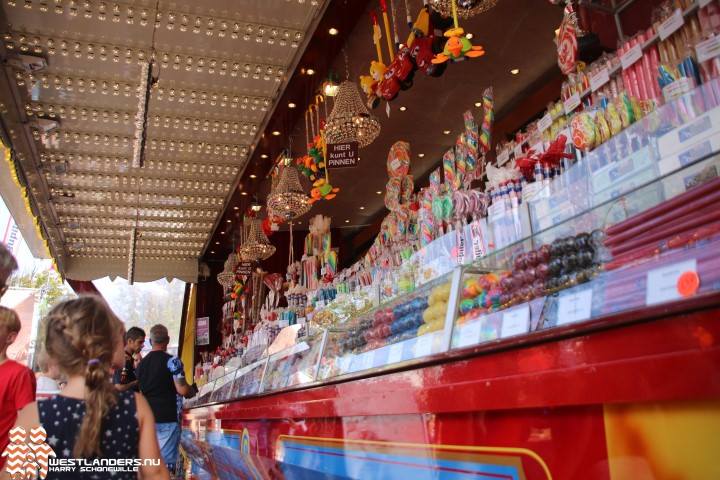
(62, 416)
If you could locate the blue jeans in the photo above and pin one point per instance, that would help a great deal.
(168, 435)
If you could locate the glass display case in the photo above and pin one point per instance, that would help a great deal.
(630, 227)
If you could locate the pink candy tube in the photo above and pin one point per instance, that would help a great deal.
(637, 71)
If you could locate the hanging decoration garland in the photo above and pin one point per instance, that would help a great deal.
(465, 8)
(567, 45)
(458, 47)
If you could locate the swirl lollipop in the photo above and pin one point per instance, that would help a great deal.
(460, 164)
(449, 168)
(471, 146)
(488, 119)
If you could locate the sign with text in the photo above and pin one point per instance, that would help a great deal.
(202, 331)
(342, 155)
(245, 268)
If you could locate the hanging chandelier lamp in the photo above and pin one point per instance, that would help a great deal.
(350, 120)
(226, 278)
(465, 8)
(257, 246)
(287, 199)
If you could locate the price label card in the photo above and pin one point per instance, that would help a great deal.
(395, 354)
(599, 78)
(545, 122)
(424, 345)
(575, 307)
(708, 49)
(628, 58)
(515, 321)
(671, 25)
(664, 284)
(503, 157)
(572, 103)
(469, 334)
(460, 234)
(478, 242)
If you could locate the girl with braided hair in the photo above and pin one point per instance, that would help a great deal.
(90, 419)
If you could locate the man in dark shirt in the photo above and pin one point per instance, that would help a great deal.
(125, 378)
(162, 378)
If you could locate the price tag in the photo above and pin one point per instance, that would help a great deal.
(395, 354)
(599, 78)
(575, 307)
(470, 334)
(515, 321)
(628, 58)
(671, 25)
(460, 239)
(663, 284)
(517, 150)
(545, 122)
(503, 157)
(496, 209)
(708, 49)
(478, 243)
(424, 345)
(572, 103)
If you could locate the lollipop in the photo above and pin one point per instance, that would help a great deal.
(392, 194)
(434, 180)
(583, 131)
(488, 118)
(471, 146)
(398, 160)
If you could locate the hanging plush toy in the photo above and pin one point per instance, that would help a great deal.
(458, 46)
(322, 189)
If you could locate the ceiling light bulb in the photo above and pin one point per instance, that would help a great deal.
(291, 105)
(478, 104)
(252, 175)
(263, 156)
(222, 233)
(347, 221)
(421, 155)
(469, 36)
(243, 193)
(403, 108)
(309, 71)
(446, 132)
(333, 31)
(330, 89)
(212, 251)
(217, 243)
(229, 221)
(362, 208)
(379, 192)
(515, 71)
(236, 208)
(276, 133)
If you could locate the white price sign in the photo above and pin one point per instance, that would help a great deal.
(663, 283)
(460, 242)
(478, 243)
(517, 150)
(424, 345)
(708, 49)
(515, 322)
(469, 334)
(599, 78)
(671, 25)
(575, 307)
(545, 122)
(628, 58)
(572, 103)
(395, 354)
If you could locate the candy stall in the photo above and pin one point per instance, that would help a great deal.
(539, 306)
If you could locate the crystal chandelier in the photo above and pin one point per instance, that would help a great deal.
(226, 278)
(350, 120)
(288, 200)
(465, 8)
(257, 246)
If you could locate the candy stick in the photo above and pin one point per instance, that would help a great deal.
(377, 35)
(460, 164)
(471, 147)
(449, 169)
(488, 118)
(386, 22)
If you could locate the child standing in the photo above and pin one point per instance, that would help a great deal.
(90, 419)
(17, 382)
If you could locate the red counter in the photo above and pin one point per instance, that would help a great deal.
(636, 401)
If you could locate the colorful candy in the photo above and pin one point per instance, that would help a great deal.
(488, 118)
